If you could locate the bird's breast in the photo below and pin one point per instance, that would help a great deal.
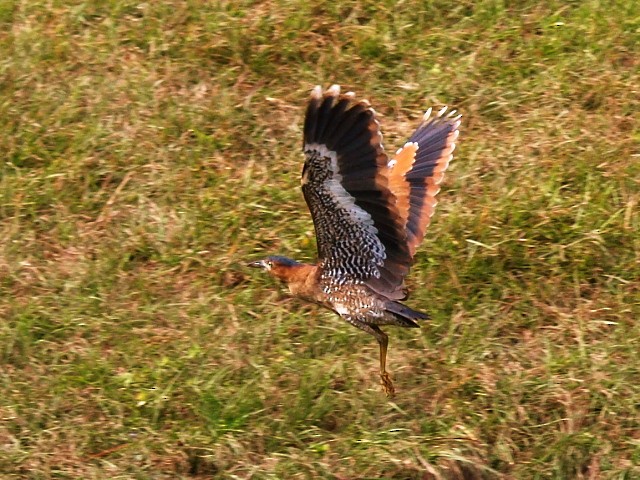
(304, 283)
(354, 300)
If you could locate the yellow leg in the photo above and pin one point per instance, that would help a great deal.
(385, 379)
(383, 341)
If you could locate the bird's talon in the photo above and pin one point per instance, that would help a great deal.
(387, 384)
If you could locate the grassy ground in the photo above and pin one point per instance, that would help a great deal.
(150, 149)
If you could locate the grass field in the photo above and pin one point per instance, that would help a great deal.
(150, 149)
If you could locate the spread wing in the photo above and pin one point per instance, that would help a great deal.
(359, 230)
(370, 214)
(417, 170)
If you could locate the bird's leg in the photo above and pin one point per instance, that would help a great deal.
(385, 379)
(383, 341)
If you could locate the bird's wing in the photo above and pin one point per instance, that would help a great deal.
(415, 173)
(360, 233)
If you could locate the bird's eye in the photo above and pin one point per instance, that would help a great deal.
(269, 264)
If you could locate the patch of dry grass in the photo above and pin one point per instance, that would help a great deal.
(151, 148)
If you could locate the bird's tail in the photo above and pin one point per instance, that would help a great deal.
(406, 315)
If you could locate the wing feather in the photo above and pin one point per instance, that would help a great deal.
(417, 170)
(369, 213)
(359, 232)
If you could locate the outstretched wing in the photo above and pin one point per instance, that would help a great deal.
(415, 173)
(359, 230)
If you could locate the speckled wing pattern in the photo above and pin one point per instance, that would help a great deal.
(359, 231)
(369, 212)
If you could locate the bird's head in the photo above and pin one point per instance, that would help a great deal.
(276, 266)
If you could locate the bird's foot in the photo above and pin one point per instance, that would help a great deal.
(387, 384)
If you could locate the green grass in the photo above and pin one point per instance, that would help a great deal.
(150, 149)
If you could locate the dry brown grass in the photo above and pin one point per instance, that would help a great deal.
(150, 149)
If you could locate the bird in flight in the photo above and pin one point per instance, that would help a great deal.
(369, 212)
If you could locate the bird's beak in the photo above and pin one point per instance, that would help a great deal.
(258, 264)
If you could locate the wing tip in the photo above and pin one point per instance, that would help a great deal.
(333, 90)
(452, 115)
